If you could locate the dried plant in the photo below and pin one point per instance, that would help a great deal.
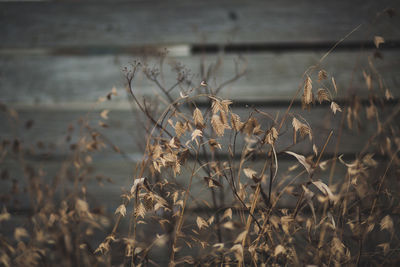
(213, 188)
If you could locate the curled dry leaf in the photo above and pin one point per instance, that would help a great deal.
(325, 190)
(250, 173)
(302, 161)
(304, 129)
(241, 236)
(201, 223)
(218, 246)
(214, 144)
(227, 214)
(335, 107)
(196, 133)
(212, 182)
(183, 94)
(136, 183)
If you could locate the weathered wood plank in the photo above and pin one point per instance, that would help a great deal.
(51, 24)
(79, 80)
(117, 178)
(47, 137)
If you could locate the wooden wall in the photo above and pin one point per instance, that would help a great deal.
(57, 58)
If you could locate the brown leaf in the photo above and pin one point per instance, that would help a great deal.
(4, 216)
(325, 190)
(387, 223)
(238, 251)
(251, 126)
(225, 104)
(322, 75)
(196, 133)
(378, 40)
(235, 122)
(388, 94)
(136, 184)
(198, 118)
(241, 236)
(250, 173)
(20, 232)
(271, 136)
(302, 161)
(201, 223)
(335, 107)
(216, 106)
(214, 144)
(212, 182)
(104, 114)
(217, 125)
(302, 128)
(315, 149)
(140, 210)
(307, 98)
(227, 214)
(279, 249)
(121, 210)
(322, 95)
(180, 128)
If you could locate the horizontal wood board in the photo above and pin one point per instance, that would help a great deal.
(60, 24)
(78, 80)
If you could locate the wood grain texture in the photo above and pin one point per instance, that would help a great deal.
(79, 80)
(63, 24)
(48, 135)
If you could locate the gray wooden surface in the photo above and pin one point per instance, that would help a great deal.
(58, 58)
(35, 80)
(58, 24)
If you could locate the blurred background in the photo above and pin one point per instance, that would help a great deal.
(62, 63)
